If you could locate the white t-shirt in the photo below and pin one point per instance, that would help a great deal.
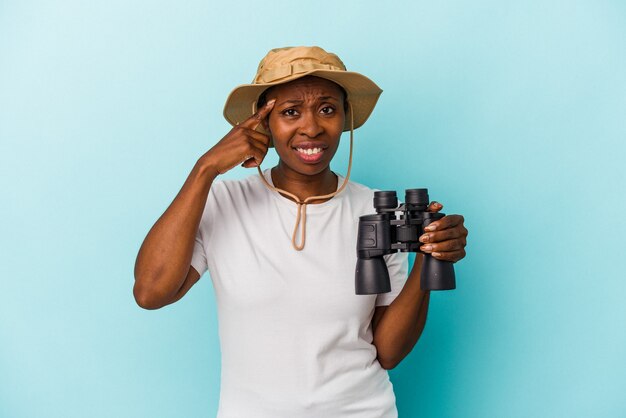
(296, 341)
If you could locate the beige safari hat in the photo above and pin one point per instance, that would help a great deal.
(282, 65)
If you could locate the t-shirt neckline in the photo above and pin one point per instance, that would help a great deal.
(311, 207)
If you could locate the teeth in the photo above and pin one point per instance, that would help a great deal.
(309, 151)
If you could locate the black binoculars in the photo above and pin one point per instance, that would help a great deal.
(383, 233)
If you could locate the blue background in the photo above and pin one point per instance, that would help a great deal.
(511, 113)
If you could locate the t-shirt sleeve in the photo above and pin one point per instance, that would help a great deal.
(398, 266)
(198, 258)
(203, 234)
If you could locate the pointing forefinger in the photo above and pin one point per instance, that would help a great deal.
(253, 121)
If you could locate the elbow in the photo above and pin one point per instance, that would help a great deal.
(387, 364)
(146, 300)
(148, 289)
(388, 355)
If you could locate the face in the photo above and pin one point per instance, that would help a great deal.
(306, 123)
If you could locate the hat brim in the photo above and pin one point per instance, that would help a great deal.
(362, 93)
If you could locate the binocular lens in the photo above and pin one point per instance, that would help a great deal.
(385, 200)
(416, 197)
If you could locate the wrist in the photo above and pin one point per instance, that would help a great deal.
(207, 168)
(205, 172)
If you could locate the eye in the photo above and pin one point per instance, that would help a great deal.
(327, 110)
(290, 112)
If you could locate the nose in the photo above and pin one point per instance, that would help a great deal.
(309, 125)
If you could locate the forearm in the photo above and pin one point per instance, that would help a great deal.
(164, 257)
(400, 327)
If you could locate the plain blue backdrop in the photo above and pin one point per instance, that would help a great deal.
(511, 113)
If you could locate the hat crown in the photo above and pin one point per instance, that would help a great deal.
(280, 63)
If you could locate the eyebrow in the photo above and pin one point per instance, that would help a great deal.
(297, 102)
(291, 101)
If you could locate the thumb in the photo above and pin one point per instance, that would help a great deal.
(434, 207)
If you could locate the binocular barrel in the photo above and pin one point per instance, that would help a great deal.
(382, 233)
(416, 199)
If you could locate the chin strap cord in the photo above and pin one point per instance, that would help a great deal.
(301, 209)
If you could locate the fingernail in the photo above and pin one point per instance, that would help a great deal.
(427, 247)
(430, 228)
(424, 238)
(436, 254)
(271, 102)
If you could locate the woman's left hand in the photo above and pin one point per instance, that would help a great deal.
(446, 238)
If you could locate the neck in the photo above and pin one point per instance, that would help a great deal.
(303, 185)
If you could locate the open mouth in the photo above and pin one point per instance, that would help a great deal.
(309, 154)
(309, 151)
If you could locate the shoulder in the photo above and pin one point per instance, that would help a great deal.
(233, 192)
(250, 183)
(360, 189)
(360, 196)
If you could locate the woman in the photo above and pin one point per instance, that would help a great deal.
(296, 340)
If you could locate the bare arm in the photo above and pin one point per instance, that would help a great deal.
(397, 327)
(163, 273)
(162, 269)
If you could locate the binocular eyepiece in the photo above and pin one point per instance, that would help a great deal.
(417, 198)
(384, 233)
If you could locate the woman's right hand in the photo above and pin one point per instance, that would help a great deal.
(243, 144)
